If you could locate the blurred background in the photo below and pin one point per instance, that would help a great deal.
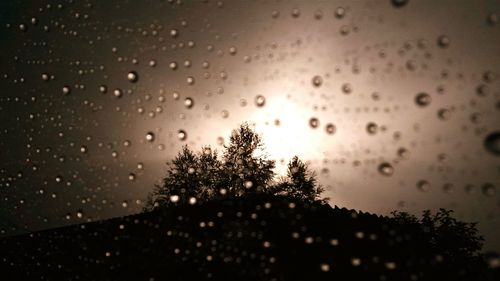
(394, 104)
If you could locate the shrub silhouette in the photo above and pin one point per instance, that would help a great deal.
(243, 169)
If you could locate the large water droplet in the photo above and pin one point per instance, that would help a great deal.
(492, 143)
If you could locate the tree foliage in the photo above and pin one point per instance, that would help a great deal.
(243, 169)
(454, 240)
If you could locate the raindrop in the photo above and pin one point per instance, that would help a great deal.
(443, 41)
(488, 189)
(317, 81)
(103, 89)
(403, 153)
(190, 80)
(132, 76)
(399, 3)
(66, 90)
(174, 33)
(295, 12)
(330, 128)
(492, 143)
(233, 50)
(45, 77)
(182, 135)
(423, 185)
(83, 149)
(346, 88)
(371, 128)
(188, 103)
(386, 169)
(150, 136)
(118, 93)
(444, 114)
(172, 65)
(340, 12)
(260, 101)
(422, 99)
(448, 188)
(314, 122)
(492, 19)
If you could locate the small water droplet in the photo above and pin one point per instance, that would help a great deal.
(132, 76)
(423, 185)
(260, 101)
(150, 136)
(443, 41)
(188, 103)
(330, 129)
(66, 90)
(422, 99)
(182, 135)
(314, 122)
(317, 81)
(386, 169)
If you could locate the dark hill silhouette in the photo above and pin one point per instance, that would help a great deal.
(254, 237)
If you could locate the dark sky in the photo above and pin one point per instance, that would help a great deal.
(346, 85)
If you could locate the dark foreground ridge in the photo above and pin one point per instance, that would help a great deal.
(257, 237)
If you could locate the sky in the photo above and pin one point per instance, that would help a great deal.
(391, 105)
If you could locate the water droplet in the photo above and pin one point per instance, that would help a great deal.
(66, 90)
(448, 187)
(340, 12)
(444, 114)
(174, 33)
(45, 77)
(260, 101)
(190, 80)
(83, 149)
(488, 189)
(371, 128)
(492, 19)
(295, 12)
(103, 89)
(188, 103)
(131, 177)
(314, 122)
(172, 65)
(132, 76)
(403, 153)
(182, 135)
(346, 88)
(232, 50)
(150, 136)
(317, 81)
(330, 129)
(118, 93)
(422, 99)
(423, 185)
(399, 3)
(443, 41)
(386, 169)
(492, 143)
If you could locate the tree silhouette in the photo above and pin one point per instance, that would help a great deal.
(300, 182)
(243, 169)
(454, 240)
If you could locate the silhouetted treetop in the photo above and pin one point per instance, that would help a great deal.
(243, 169)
